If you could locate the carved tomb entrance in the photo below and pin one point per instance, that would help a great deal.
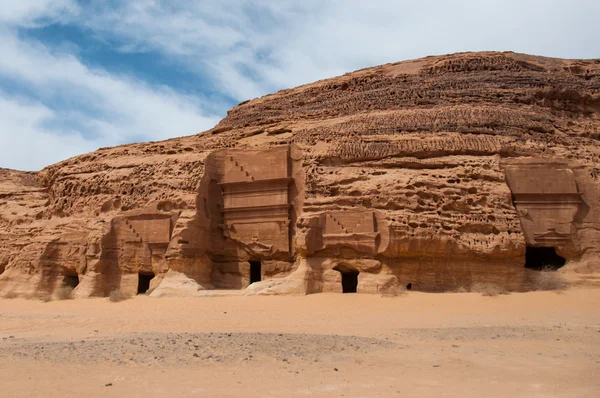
(255, 271)
(542, 258)
(144, 279)
(251, 206)
(547, 199)
(71, 280)
(349, 279)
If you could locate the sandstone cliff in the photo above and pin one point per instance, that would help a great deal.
(436, 173)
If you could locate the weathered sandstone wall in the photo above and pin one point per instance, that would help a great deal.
(439, 173)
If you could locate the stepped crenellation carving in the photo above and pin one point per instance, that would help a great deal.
(238, 173)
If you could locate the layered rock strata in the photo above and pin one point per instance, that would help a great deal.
(435, 174)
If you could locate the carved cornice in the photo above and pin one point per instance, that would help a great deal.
(244, 184)
(548, 198)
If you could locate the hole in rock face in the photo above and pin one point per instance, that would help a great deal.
(539, 258)
(71, 280)
(409, 286)
(255, 271)
(349, 279)
(144, 279)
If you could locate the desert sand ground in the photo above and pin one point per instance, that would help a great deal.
(540, 344)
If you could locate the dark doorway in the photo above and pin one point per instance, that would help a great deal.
(144, 279)
(255, 271)
(539, 258)
(349, 280)
(409, 286)
(71, 280)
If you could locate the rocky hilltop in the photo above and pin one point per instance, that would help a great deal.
(432, 174)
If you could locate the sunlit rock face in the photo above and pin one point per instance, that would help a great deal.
(435, 174)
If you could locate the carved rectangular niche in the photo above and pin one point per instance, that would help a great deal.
(153, 230)
(546, 198)
(256, 206)
(356, 229)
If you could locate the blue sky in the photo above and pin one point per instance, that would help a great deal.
(79, 75)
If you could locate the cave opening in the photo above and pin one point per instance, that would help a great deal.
(255, 271)
(144, 279)
(349, 279)
(543, 258)
(409, 286)
(71, 280)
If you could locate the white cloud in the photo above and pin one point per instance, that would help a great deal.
(253, 47)
(118, 109)
(243, 49)
(25, 142)
(27, 12)
(102, 108)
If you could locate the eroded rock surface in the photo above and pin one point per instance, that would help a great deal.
(436, 174)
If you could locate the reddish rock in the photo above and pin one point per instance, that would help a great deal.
(440, 173)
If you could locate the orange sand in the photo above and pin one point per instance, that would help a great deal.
(540, 344)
